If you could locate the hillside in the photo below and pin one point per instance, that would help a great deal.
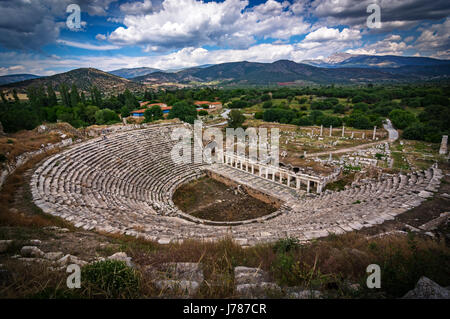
(271, 73)
(12, 78)
(287, 72)
(133, 72)
(345, 60)
(83, 78)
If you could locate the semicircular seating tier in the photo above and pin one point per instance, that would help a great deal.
(124, 184)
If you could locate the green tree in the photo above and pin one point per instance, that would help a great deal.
(235, 119)
(152, 114)
(52, 100)
(183, 111)
(90, 112)
(402, 119)
(64, 91)
(74, 96)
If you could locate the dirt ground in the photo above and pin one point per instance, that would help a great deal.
(209, 199)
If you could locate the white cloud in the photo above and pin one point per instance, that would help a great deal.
(395, 14)
(136, 7)
(391, 45)
(87, 46)
(435, 41)
(100, 37)
(183, 23)
(331, 34)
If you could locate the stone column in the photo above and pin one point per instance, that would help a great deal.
(343, 130)
(363, 135)
(319, 188)
(321, 130)
(297, 183)
(288, 180)
(443, 148)
(353, 134)
(307, 185)
(253, 169)
(267, 172)
(273, 175)
(281, 178)
(331, 130)
(304, 153)
(374, 132)
(330, 158)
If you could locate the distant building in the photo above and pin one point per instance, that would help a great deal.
(138, 113)
(211, 105)
(147, 104)
(166, 109)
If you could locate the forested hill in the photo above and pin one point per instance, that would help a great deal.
(285, 71)
(84, 79)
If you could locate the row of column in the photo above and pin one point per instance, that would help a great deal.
(343, 131)
(264, 171)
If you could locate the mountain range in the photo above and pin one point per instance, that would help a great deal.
(346, 60)
(341, 68)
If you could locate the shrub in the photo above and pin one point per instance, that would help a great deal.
(111, 278)
(402, 119)
(286, 244)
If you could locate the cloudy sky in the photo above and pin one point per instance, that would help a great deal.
(168, 34)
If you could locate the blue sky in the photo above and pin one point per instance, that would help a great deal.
(168, 34)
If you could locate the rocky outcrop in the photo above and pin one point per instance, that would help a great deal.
(427, 289)
(177, 279)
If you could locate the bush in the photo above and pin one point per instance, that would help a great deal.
(359, 121)
(302, 121)
(276, 115)
(422, 132)
(402, 119)
(154, 113)
(111, 278)
(183, 111)
(202, 113)
(259, 115)
(286, 244)
(339, 108)
(267, 105)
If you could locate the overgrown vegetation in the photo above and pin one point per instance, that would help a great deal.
(111, 278)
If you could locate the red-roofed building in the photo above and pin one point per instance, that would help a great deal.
(138, 113)
(211, 105)
(147, 104)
